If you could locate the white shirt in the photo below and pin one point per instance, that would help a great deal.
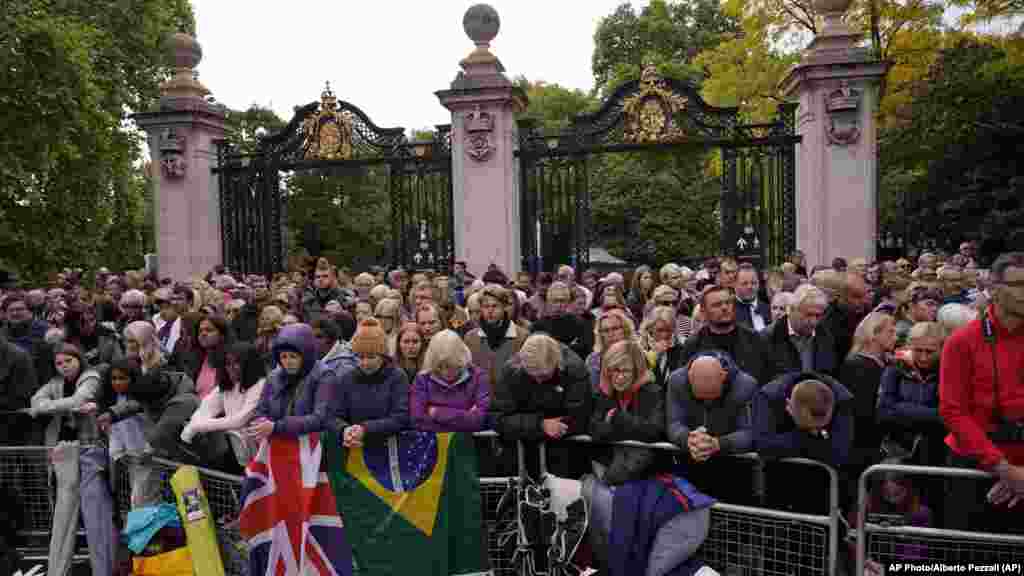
(755, 318)
(172, 338)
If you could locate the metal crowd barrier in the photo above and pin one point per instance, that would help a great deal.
(742, 539)
(27, 470)
(888, 543)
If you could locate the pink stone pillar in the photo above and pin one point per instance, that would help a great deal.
(182, 137)
(837, 160)
(483, 103)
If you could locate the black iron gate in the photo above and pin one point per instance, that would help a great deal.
(326, 145)
(756, 211)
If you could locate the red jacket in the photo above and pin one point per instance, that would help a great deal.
(966, 391)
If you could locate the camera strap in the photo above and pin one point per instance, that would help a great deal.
(989, 332)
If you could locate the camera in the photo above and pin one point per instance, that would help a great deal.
(1008, 432)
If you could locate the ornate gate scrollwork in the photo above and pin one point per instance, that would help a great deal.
(758, 180)
(324, 139)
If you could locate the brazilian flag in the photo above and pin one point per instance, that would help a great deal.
(410, 503)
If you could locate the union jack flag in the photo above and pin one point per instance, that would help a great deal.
(289, 515)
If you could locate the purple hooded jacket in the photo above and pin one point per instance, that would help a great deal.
(453, 402)
(298, 404)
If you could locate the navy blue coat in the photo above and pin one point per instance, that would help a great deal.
(379, 401)
(776, 434)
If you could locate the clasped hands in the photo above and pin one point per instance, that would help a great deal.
(352, 436)
(702, 445)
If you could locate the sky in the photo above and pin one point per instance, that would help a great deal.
(387, 57)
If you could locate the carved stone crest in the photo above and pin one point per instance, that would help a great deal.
(478, 128)
(650, 114)
(172, 154)
(328, 133)
(843, 125)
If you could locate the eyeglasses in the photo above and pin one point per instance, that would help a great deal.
(667, 302)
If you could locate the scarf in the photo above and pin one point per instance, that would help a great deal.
(495, 333)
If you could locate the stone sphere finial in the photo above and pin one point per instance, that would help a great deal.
(481, 24)
(185, 50)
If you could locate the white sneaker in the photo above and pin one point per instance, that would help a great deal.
(706, 571)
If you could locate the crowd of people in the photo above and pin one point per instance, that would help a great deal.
(848, 364)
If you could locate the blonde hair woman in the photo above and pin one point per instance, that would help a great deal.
(873, 343)
(613, 326)
(389, 314)
(544, 393)
(660, 340)
(908, 399)
(140, 341)
(450, 394)
(631, 407)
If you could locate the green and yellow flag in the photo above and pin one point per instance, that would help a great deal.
(410, 504)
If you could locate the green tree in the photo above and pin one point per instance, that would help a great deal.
(667, 34)
(350, 208)
(244, 127)
(553, 106)
(70, 74)
(952, 164)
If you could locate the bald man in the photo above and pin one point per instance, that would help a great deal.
(709, 408)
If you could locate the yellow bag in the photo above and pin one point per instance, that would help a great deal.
(174, 563)
(194, 509)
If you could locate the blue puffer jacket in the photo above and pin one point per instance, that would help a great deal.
(298, 404)
(907, 398)
(379, 401)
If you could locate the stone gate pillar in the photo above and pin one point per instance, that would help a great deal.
(181, 134)
(483, 103)
(837, 161)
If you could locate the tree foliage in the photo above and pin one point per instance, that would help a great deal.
(349, 208)
(746, 68)
(667, 34)
(245, 127)
(553, 106)
(70, 73)
(952, 163)
(981, 10)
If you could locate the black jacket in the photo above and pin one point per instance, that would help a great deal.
(575, 331)
(862, 376)
(520, 405)
(743, 316)
(17, 376)
(841, 324)
(246, 323)
(668, 362)
(643, 421)
(743, 347)
(782, 357)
